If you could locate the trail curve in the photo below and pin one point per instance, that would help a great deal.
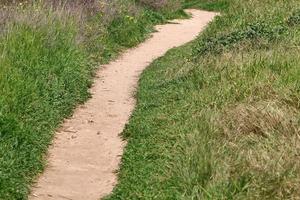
(87, 150)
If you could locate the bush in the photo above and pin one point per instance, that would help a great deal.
(253, 32)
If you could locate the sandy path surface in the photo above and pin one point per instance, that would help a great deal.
(87, 150)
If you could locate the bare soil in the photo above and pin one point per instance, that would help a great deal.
(87, 150)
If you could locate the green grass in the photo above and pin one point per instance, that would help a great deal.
(210, 5)
(220, 117)
(37, 92)
(47, 60)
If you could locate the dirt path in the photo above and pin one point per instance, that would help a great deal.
(87, 151)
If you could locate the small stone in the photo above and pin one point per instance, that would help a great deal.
(73, 136)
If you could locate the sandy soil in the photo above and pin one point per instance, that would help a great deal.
(87, 150)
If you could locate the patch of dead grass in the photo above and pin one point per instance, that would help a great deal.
(262, 144)
(262, 118)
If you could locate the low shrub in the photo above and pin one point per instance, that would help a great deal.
(253, 32)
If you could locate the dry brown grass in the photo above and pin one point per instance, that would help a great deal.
(156, 4)
(91, 17)
(261, 118)
(162, 4)
(262, 144)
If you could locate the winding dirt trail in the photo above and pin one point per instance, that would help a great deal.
(87, 150)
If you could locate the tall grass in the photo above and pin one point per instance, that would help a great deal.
(219, 117)
(48, 52)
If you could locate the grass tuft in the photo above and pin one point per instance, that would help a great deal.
(262, 118)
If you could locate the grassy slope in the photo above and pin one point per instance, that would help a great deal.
(46, 64)
(37, 92)
(219, 117)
